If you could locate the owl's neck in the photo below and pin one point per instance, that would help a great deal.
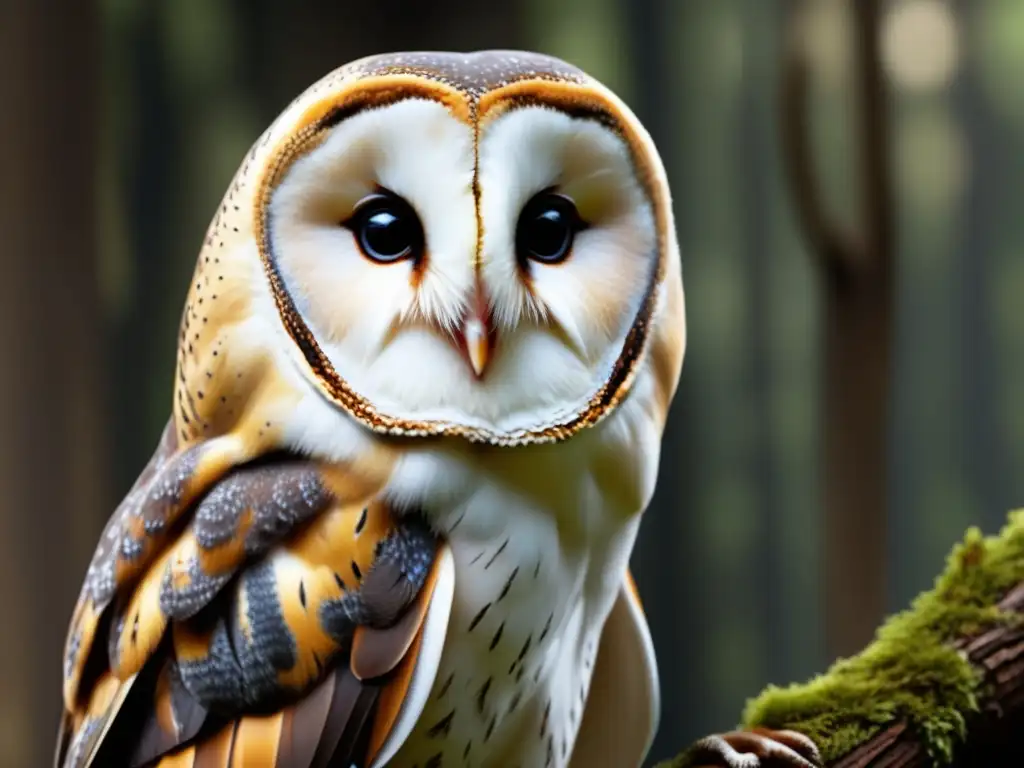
(540, 552)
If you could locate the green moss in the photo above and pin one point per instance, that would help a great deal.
(909, 672)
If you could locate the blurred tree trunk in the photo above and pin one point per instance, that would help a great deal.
(983, 453)
(141, 343)
(669, 541)
(857, 268)
(51, 462)
(287, 47)
(755, 150)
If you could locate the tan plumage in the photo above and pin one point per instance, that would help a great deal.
(335, 553)
(390, 518)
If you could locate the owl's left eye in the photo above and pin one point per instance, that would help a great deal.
(546, 228)
(386, 228)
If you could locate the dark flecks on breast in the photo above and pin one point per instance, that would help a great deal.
(481, 696)
(302, 593)
(475, 559)
(490, 727)
(508, 583)
(547, 626)
(494, 557)
(442, 727)
(479, 617)
(516, 698)
(355, 570)
(544, 719)
(497, 636)
(522, 653)
(465, 752)
(551, 752)
(446, 685)
(456, 523)
(362, 521)
(536, 569)
(434, 761)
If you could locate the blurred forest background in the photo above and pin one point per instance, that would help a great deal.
(121, 124)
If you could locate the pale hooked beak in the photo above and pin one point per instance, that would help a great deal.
(477, 345)
(477, 332)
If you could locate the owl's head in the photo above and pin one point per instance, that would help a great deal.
(466, 244)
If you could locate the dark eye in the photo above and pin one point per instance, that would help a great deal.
(547, 227)
(387, 228)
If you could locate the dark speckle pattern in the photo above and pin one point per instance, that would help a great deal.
(474, 73)
(443, 726)
(399, 570)
(508, 584)
(243, 667)
(496, 554)
(151, 505)
(446, 685)
(272, 500)
(518, 688)
(479, 616)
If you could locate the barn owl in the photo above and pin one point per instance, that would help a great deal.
(423, 371)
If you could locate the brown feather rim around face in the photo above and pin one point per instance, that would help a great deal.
(576, 100)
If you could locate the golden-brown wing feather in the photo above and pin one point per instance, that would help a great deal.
(341, 721)
(229, 595)
(137, 532)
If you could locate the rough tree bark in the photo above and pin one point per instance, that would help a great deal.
(994, 733)
(51, 468)
(856, 267)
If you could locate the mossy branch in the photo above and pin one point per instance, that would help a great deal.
(942, 683)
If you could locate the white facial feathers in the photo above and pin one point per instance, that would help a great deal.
(415, 149)
(594, 295)
(390, 330)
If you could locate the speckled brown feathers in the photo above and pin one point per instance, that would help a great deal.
(252, 595)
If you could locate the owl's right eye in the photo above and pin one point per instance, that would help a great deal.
(386, 228)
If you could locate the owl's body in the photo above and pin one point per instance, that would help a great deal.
(540, 542)
(451, 283)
